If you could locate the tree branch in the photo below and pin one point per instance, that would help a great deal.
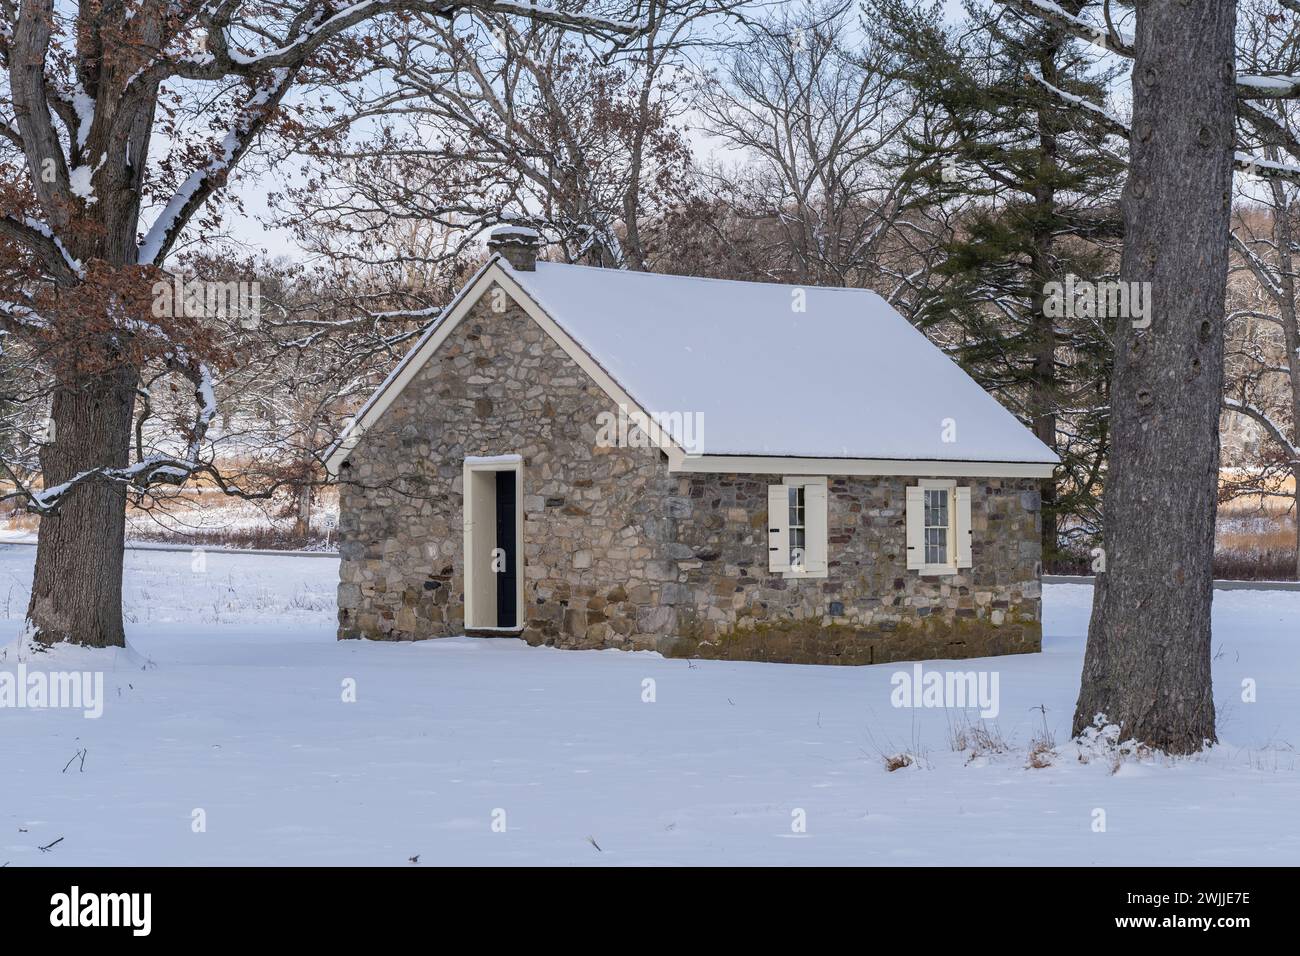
(1274, 430)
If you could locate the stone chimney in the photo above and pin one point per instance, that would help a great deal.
(518, 244)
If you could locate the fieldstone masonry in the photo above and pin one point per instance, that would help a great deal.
(620, 553)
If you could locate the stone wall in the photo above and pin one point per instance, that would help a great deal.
(593, 516)
(620, 553)
(869, 608)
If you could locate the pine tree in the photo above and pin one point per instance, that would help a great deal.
(1037, 199)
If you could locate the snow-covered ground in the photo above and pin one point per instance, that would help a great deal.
(462, 751)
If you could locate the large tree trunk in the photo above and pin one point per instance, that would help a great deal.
(303, 493)
(1295, 513)
(1147, 666)
(1292, 340)
(77, 587)
(1283, 238)
(302, 516)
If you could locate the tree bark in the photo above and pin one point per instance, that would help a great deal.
(1283, 238)
(302, 517)
(1291, 338)
(77, 586)
(1147, 666)
(1295, 511)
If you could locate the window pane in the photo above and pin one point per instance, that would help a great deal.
(797, 531)
(936, 545)
(936, 526)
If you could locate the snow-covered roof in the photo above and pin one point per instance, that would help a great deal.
(749, 375)
(509, 231)
(846, 377)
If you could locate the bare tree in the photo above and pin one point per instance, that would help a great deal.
(1147, 666)
(1032, 193)
(486, 116)
(812, 116)
(85, 93)
(1262, 390)
(324, 340)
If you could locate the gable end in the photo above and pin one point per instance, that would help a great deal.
(491, 274)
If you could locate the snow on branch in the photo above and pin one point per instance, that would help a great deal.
(151, 469)
(312, 31)
(1268, 86)
(554, 16)
(1263, 168)
(274, 71)
(1112, 123)
(18, 316)
(200, 183)
(1263, 273)
(47, 501)
(1268, 128)
(1255, 86)
(318, 329)
(1273, 428)
(1108, 38)
(11, 133)
(42, 241)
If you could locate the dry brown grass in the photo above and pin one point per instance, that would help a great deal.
(204, 517)
(1041, 755)
(975, 738)
(1042, 746)
(1255, 540)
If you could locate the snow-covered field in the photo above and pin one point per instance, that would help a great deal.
(462, 751)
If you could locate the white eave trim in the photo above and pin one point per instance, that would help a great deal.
(406, 370)
(776, 465)
(409, 367)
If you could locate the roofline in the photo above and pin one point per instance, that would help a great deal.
(799, 465)
(495, 270)
(360, 423)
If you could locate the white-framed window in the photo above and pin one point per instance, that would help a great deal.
(796, 531)
(938, 527)
(798, 539)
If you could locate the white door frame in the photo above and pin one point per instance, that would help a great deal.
(477, 564)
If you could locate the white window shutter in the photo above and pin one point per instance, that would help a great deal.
(778, 528)
(915, 528)
(814, 510)
(961, 496)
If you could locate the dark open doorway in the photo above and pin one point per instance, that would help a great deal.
(507, 576)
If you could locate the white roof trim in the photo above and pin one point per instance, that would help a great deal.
(780, 370)
(679, 460)
(457, 309)
(775, 465)
(397, 379)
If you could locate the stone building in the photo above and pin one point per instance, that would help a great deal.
(593, 458)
